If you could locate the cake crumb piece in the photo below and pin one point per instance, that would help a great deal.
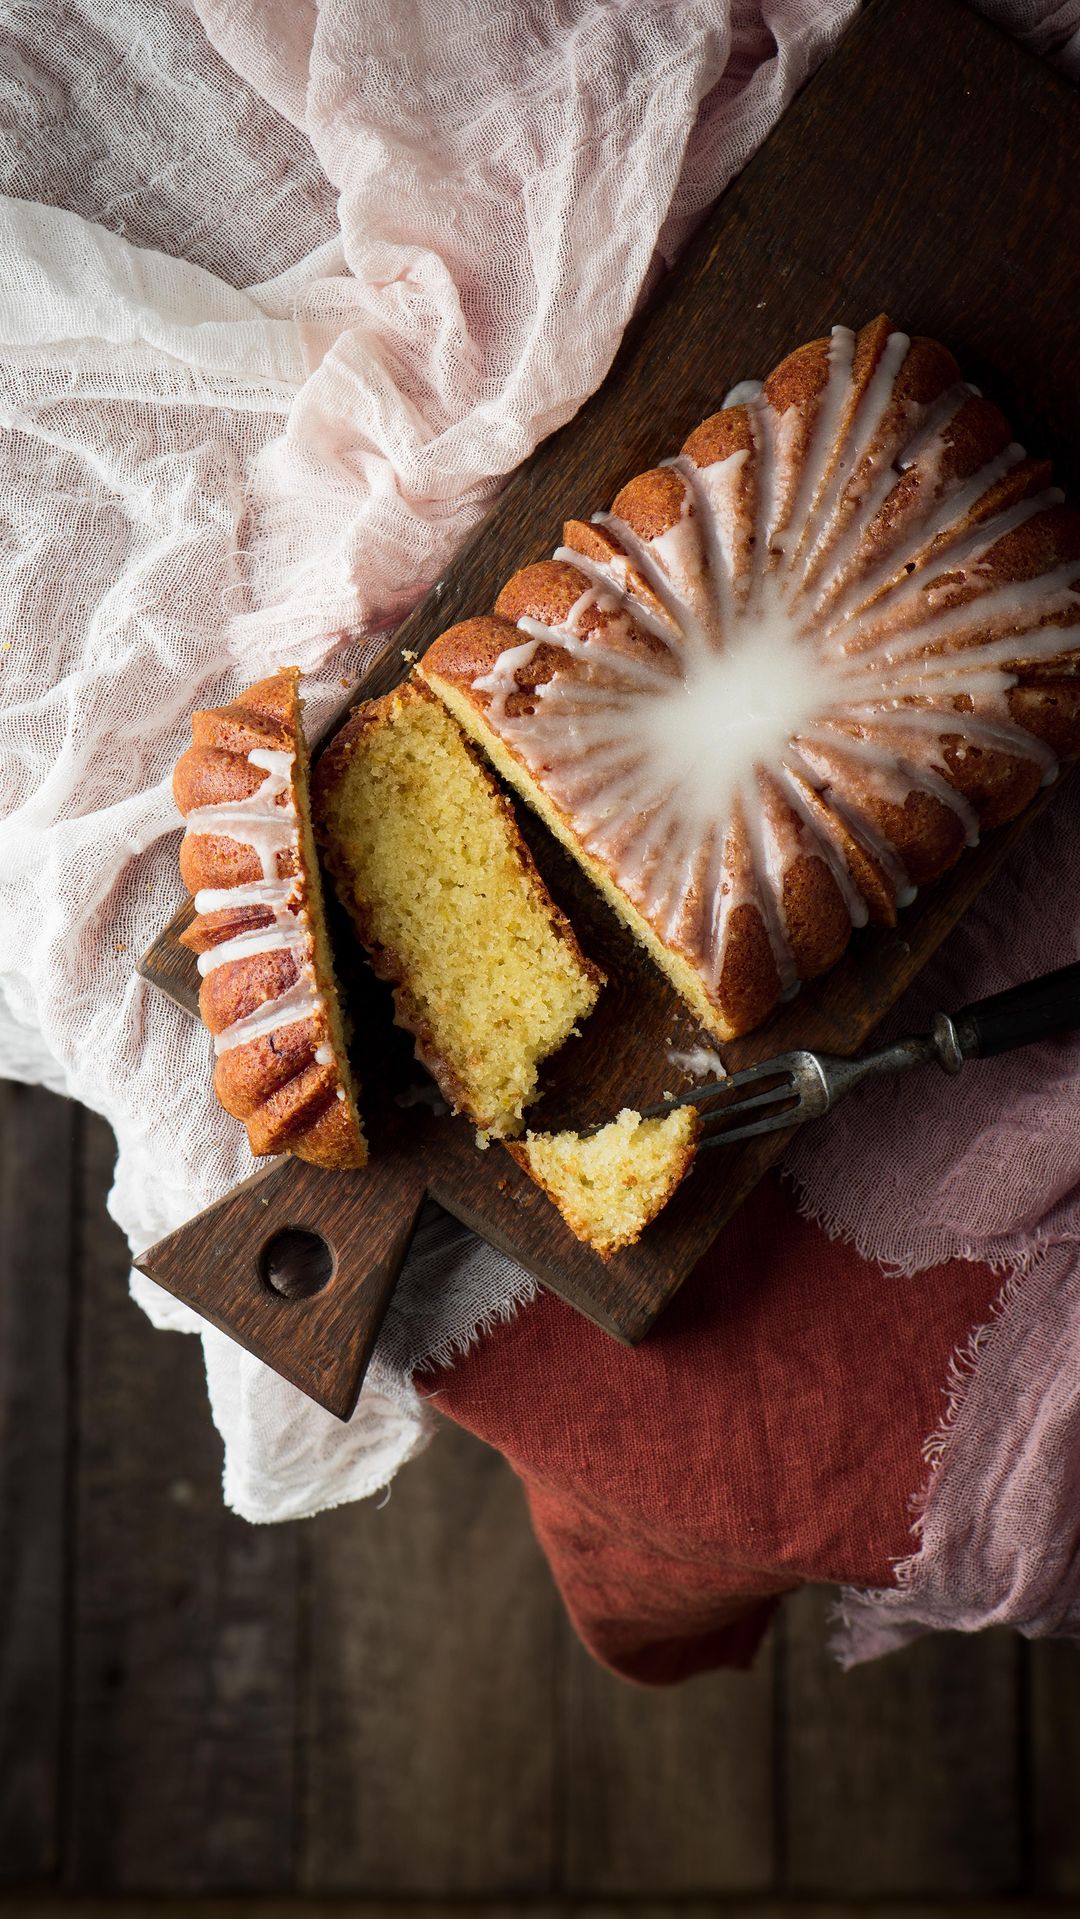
(609, 1185)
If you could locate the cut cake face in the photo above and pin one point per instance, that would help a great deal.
(428, 860)
(794, 672)
(609, 1185)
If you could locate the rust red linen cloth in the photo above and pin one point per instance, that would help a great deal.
(768, 1433)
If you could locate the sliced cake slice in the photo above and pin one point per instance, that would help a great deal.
(268, 993)
(609, 1185)
(427, 858)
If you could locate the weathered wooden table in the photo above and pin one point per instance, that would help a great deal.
(391, 1702)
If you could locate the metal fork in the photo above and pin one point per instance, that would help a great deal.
(809, 1084)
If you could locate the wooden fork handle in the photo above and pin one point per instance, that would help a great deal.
(298, 1265)
(1036, 1009)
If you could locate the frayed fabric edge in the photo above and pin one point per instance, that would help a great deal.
(235, 1497)
(454, 1345)
(999, 1260)
(960, 1374)
(869, 1623)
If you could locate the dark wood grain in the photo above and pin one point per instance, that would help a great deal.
(668, 1787)
(1053, 1781)
(902, 1776)
(650, 1906)
(181, 1750)
(37, 1133)
(433, 1762)
(232, 1731)
(321, 1338)
(941, 189)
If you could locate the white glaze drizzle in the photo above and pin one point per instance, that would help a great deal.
(823, 435)
(219, 899)
(800, 660)
(298, 1001)
(713, 497)
(955, 548)
(846, 473)
(698, 1062)
(742, 393)
(279, 937)
(267, 822)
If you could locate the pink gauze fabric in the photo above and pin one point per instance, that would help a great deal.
(287, 292)
(984, 1167)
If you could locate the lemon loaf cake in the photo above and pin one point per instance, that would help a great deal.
(610, 1184)
(268, 993)
(428, 861)
(794, 671)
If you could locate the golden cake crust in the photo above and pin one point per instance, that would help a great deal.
(885, 509)
(290, 1084)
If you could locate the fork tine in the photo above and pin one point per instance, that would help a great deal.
(765, 1069)
(782, 1067)
(786, 1091)
(773, 1123)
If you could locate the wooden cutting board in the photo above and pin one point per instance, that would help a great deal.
(928, 170)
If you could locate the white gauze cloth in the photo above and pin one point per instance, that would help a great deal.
(287, 293)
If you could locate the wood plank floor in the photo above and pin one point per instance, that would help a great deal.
(388, 1702)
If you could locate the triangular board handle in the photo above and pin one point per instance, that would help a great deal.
(298, 1265)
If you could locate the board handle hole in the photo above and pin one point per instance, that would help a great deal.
(296, 1263)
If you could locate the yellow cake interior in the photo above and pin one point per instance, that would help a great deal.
(428, 859)
(608, 1185)
(682, 975)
